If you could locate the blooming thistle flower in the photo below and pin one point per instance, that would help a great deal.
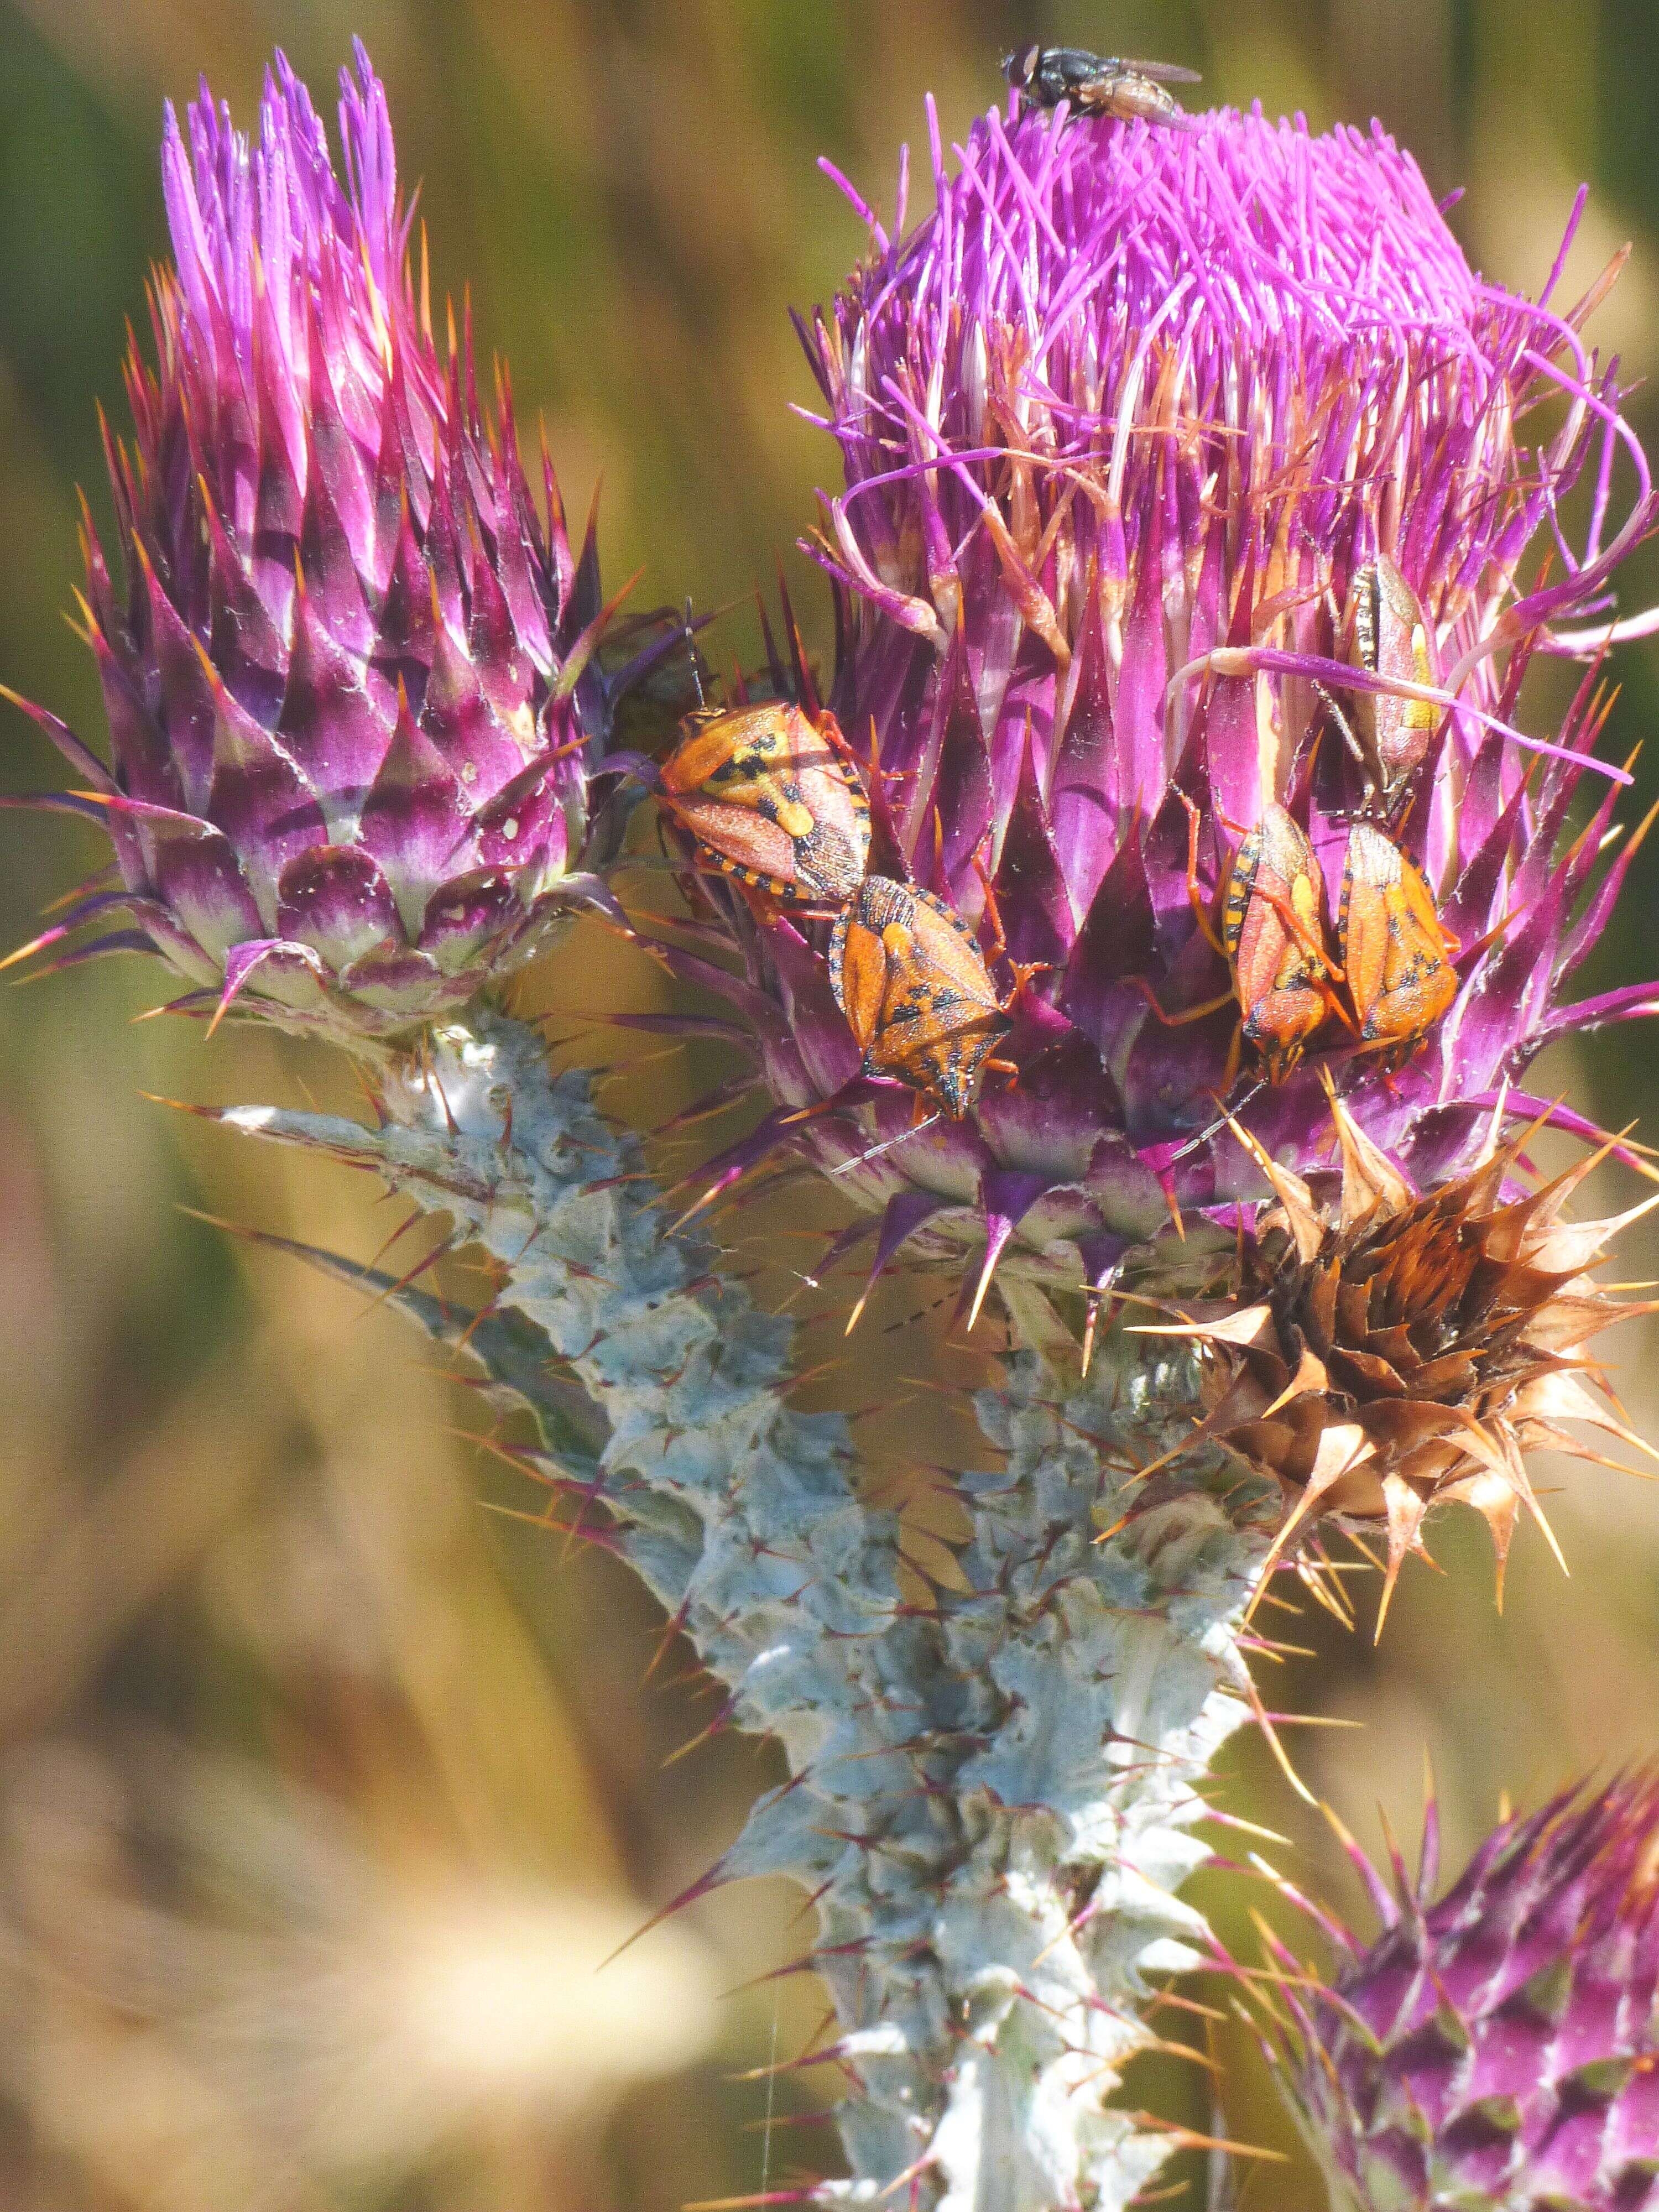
(349, 669)
(1500, 2049)
(1123, 424)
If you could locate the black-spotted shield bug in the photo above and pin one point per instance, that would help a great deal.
(1396, 951)
(908, 973)
(772, 797)
(1272, 939)
(1386, 634)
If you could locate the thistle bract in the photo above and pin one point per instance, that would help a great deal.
(1127, 426)
(1497, 2051)
(349, 665)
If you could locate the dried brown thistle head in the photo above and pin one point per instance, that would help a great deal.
(1413, 1348)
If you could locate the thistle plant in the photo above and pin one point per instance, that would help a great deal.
(1499, 2046)
(1186, 561)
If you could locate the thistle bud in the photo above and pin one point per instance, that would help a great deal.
(348, 661)
(1407, 1350)
(1499, 2048)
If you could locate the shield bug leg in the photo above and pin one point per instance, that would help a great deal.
(1199, 905)
(1022, 970)
(1187, 1014)
(1350, 738)
(1195, 895)
(1306, 942)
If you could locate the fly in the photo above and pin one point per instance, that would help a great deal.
(1097, 84)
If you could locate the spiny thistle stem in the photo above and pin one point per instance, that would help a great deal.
(993, 1795)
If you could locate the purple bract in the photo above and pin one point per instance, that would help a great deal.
(349, 667)
(1121, 423)
(1500, 2048)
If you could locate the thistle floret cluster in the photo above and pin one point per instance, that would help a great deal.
(1408, 1350)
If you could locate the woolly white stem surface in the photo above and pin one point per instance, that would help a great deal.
(994, 1792)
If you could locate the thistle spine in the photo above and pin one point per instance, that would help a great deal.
(994, 1799)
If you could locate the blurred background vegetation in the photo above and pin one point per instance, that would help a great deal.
(323, 1787)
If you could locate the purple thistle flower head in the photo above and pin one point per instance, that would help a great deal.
(1499, 2048)
(348, 661)
(1191, 473)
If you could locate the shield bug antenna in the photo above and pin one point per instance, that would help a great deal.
(1228, 1113)
(888, 1143)
(688, 624)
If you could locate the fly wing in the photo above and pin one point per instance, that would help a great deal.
(1160, 72)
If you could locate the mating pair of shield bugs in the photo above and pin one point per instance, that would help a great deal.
(772, 797)
(1391, 977)
(1389, 980)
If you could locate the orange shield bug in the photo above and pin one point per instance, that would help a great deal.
(1272, 931)
(1272, 939)
(771, 798)
(1396, 951)
(1389, 636)
(908, 973)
